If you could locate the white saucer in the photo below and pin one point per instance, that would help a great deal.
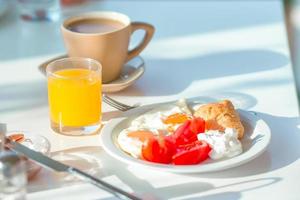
(132, 71)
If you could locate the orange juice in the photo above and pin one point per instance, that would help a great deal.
(75, 97)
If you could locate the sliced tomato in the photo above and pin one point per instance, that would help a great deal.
(181, 148)
(192, 153)
(158, 149)
(182, 134)
(187, 132)
(197, 125)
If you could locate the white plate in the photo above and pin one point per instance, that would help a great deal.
(256, 139)
(132, 71)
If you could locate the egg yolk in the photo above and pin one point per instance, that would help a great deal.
(141, 135)
(177, 118)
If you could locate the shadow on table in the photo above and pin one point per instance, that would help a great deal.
(22, 96)
(217, 196)
(96, 162)
(240, 100)
(84, 158)
(210, 66)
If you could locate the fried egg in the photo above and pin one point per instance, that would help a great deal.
(159, 121)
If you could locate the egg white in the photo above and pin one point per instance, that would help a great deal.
(130, 145)
(150, 121)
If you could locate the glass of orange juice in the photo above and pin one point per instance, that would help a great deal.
(74, 95)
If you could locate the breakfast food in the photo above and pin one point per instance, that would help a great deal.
(158, 122)
(223, 144)
(219, 116)
(172, 134)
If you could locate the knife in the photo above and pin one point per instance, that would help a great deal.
(60, 167)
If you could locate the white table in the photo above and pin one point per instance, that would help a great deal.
(235, 50)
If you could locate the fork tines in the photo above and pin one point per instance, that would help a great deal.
(116, 104)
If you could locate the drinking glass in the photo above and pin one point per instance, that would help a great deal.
(13, 178)
(37, 10)
(74, 95)
(2, 136)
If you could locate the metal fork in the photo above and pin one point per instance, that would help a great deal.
(116, 104)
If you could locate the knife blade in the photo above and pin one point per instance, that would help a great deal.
(60, 167)
(38, 157)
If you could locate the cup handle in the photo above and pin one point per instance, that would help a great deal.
(149, 31)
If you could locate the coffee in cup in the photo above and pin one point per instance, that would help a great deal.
(104, 36)
(95, 26)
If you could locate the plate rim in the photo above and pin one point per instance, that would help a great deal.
(109, 146)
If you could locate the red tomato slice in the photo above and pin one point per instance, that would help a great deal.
(158, 149)
(197, 125)
(187, 132)
(192, 153)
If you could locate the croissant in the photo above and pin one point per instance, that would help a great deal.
(219, 116)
